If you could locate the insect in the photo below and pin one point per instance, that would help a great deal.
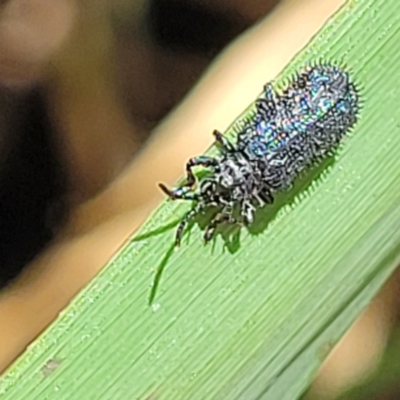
(292, 130)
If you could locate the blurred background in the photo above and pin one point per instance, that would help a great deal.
(84, 85)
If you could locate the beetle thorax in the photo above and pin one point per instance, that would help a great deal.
(234, 172)
(235, 180)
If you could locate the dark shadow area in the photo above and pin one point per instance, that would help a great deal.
(303, 184)
(186, 26)
(31, 182)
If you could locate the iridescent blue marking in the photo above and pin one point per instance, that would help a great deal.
(299, 109)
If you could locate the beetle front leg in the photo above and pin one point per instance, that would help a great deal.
(185, 191)
(182, 193)
(204, 161)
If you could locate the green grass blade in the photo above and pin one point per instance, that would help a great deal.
(254, 314)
